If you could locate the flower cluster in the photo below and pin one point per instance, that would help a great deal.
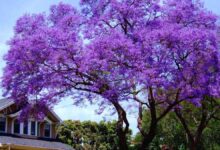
(114, 48)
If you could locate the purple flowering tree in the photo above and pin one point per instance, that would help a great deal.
(140, 52)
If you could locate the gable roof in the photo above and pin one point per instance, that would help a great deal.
(55, 115)
(36, 143)
(4, 103)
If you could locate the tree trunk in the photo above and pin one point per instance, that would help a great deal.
(194, 139)
(193, 145)
(121, 131)
(148, 137)
(123, 145)
(146, 141)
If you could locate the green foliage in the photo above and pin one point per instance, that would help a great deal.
(171, 133)
(90, 135)
(211, 136)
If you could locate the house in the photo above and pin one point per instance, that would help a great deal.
(28, 135)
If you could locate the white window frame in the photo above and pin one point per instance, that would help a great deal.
(21, 132)
(12, 127)
(29, 127)
(50, 123)
(6, 124)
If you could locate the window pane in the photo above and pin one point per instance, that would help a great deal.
(47, 130)
(2, 124)
(16, 126)
(25, 127)
(33, 127)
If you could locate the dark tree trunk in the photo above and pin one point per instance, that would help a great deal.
(121, 131)
(194, 139)
(123, 145)
(148, 137)
(194, 144)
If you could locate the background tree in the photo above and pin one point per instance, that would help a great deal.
(195, 121)
(172, 133)
(90, 135)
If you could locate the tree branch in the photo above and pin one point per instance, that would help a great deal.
(183, 121)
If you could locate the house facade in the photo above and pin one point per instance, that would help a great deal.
(28, 135)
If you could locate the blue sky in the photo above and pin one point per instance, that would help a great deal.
(11, 10)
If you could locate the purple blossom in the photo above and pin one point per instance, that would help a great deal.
(111, 48)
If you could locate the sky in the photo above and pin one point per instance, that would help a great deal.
(11, 10)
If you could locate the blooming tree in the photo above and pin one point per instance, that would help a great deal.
(118, 50)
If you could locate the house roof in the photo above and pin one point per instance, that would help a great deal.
(5, 103)
(36, 143)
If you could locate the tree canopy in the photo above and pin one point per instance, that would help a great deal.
(90, 135)
(147, 53)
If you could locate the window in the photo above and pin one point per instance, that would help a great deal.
(33, 128)
(16, 126)
(47, 130)
(25, 131)
(2, 124)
